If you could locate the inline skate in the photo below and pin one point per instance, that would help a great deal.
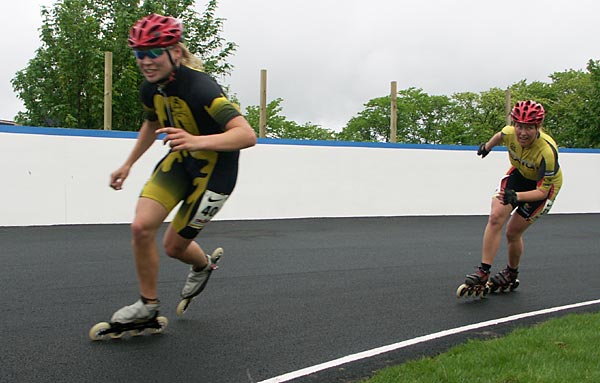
(504, 280)
(135, 319)
(476, 284)
(196, 281)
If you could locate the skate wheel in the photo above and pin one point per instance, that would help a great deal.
(182, 306)
(492, 288)
(163, 322)
(514, 285)
(137, 332)
(217, 254)
(462, 289)
(97, 329)
(116, 335)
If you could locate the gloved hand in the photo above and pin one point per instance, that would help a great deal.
(482, 151)
(510, 197)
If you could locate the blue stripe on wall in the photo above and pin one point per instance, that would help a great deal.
(265, 141)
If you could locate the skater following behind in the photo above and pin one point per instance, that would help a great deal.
(529, 187)
(205, 133)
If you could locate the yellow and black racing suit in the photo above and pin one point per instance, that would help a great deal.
(532, 168)
(203, 180)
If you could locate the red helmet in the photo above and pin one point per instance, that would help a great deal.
(528, 112)
(155, 31)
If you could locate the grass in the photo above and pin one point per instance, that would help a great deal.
(559, 350)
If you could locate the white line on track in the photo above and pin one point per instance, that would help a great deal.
(380, 350)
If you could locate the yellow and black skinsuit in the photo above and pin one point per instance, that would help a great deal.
(533, 168)
(192, 101)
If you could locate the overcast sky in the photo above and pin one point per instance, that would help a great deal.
(326, 58)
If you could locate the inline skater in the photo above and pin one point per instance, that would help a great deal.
(205, 132)
(528, 189)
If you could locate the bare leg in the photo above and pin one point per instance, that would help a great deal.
(186, 250)
(514, 235)
(493, 230)
(148, 218)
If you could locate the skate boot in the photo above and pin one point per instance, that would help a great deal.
(137, 312)
(504, 280)
(475, 284)
(134, 318)
(196, 281)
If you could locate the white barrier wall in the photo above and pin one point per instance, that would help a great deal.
(60, 176)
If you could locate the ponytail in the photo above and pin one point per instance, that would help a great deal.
(188, 59)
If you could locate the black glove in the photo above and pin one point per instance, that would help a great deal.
(482, 151)
(510, 197)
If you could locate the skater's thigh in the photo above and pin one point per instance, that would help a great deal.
(149, 214)
(517, 225)
(169, 183)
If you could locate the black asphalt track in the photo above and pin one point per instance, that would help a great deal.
(289, 294)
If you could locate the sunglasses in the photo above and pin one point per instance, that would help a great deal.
(151, 53)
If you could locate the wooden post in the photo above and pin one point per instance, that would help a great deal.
(107, 90)
(394, 112)
(262, 122)
(507, 106)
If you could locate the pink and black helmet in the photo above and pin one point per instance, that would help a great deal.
(155, 31)
(528, 112)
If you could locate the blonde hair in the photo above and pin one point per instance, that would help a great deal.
(188, 59)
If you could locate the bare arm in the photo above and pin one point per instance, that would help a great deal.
(238, 135)
(494, 141)
(532, 195)
(146, 138)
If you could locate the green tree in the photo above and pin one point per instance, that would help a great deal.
(434, 120)
(590, 118)
(371, 124)
(572, 104)
(492, 117)
(63, 85)
(567, 105)
(592, 110)
(279, 126)
(571, 100)
(420, 119)
(467, 125)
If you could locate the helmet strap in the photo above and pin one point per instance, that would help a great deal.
(171, 58)
(171, 76)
